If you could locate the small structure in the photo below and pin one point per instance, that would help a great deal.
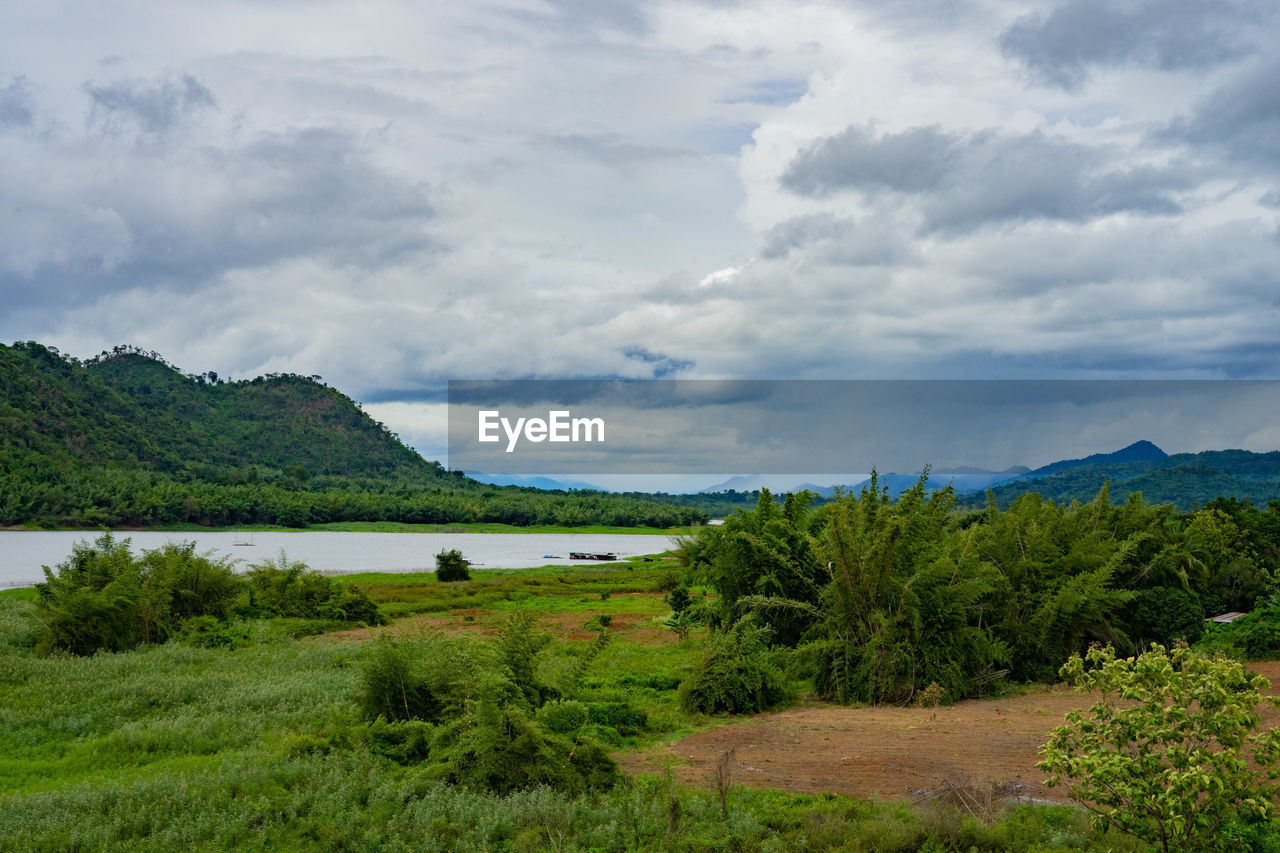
(1225, 618)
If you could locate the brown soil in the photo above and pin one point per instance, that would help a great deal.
(892, 753)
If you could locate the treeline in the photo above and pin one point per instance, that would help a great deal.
(126, 439)
(106, 497)
(881, 599)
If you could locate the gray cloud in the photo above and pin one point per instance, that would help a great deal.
(148, 106)
(580, 188)
(1060, 49)
(662, 366)
(15, 103)
(965, 181)
(615, 150)
(836, 240)
(1241, 119)
(192, 213)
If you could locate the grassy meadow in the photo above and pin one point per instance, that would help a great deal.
(259, 743)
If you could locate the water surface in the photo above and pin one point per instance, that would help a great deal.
(23, 552)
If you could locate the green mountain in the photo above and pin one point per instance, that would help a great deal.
(132, 409)
(127, 439)
(1186, 480)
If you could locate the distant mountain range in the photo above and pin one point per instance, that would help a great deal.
(1183, 479)
(546, 483)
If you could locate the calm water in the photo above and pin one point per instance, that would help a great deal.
(23, 552)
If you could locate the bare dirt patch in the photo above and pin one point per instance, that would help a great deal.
(892, 753)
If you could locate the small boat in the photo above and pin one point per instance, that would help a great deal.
(580, 555)
(550, 557)
(245, 544)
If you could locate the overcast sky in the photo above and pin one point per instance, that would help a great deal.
(392, 195)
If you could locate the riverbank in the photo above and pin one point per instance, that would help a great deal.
(383, 527)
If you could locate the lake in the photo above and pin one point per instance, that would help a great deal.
(23, 552)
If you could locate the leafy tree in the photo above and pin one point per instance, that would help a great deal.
(1165, 754)
(451, 566)
(762, 553)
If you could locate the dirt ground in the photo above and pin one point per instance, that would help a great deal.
(570, 625)
(893, 753)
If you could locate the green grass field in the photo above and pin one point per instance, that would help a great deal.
(260, 746)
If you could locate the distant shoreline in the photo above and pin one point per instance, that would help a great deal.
(369, 527)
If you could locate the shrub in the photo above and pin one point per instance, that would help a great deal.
(503, 749)
(284, 587)
(619, 716)
(563, 716)
(1255, 636)
(451, 566)
(103, 598)
(391, 688)
(1162, 755)
(736, 674)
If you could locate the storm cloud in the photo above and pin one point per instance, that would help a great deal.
(397, 196)
(1064, 46)
(963, 181)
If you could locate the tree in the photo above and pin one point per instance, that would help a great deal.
(451, 566)
(1164, 754)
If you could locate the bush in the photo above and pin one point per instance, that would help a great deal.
(391, 688)
(502, 749)
(1255, 636)
(452, 566)
(284, 587)
(736, 674)
(564, 716)
(103, 598)
(1162, 754)
(619, 716)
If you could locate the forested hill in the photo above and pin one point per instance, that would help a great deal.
(127, 439)
(131, 409)
(1186, 480)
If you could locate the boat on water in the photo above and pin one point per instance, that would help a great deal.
(582, 555)
(244, 543)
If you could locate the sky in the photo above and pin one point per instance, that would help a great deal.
(392, 195)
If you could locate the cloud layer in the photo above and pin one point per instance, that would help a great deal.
(393, 196)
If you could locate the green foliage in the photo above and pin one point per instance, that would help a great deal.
(391, 689)
(1165, 614)
(761, 553)
(563, 716)
(451, 566)
(907, 605)
(103, 598)
(736, 674)
(1165, 755)
(284, 587)
(1254, 636)
(520, 644)
(501, 749)
(126, 439)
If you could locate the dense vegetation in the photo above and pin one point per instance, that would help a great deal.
(1185, 480)
(103, 597)
(447, 742)
(880, 599)
(126, 439)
